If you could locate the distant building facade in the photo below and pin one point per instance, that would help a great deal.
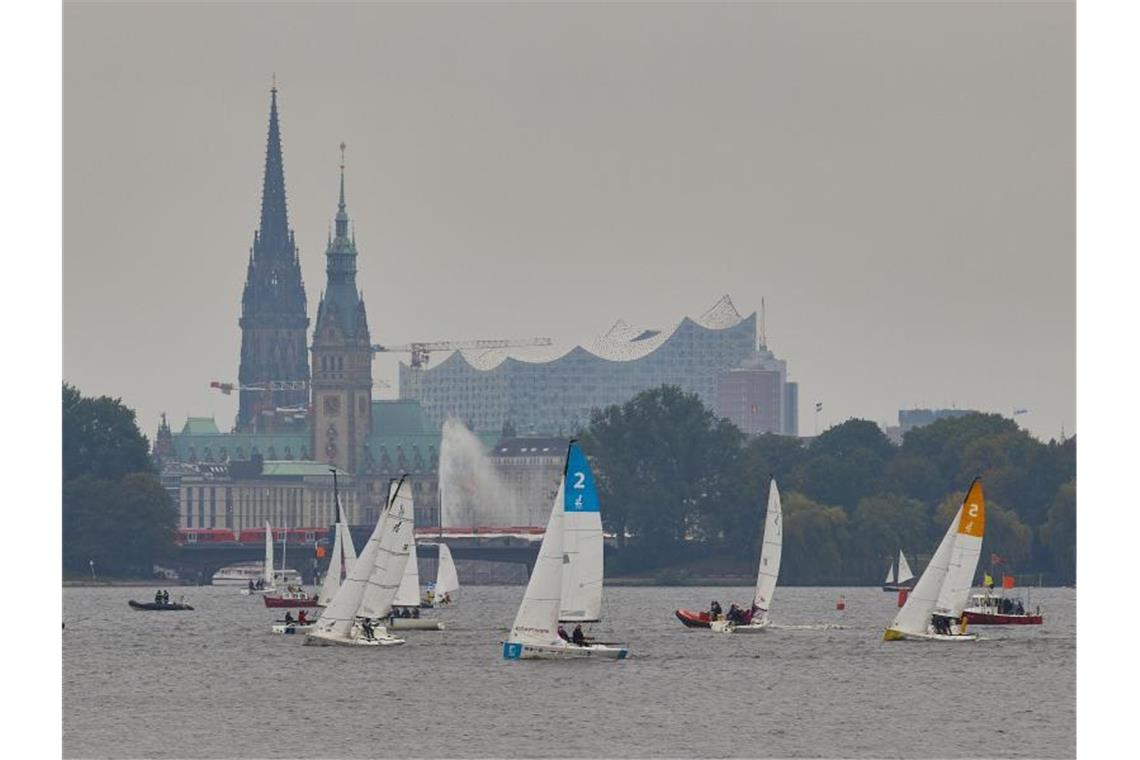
(491, 389)
(246, 494)
(757, 397)
(531, 469)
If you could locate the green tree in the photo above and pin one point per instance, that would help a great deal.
(815, 542)
(115, 511)
(101, 438)
(881, 526)
(846, 463)
(662, 462)
(1059, 534)
(942, 443)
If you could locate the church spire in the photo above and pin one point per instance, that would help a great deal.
(341, 213)
(274, 229)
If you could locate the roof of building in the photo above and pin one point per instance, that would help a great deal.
(200, 426)
(529, 447)
(622, 342)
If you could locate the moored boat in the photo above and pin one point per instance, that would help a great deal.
(899, 576)
(291, 597)
(992, 609)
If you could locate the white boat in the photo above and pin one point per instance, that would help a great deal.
(933, 611)
(766, 575)
(242, 573)
(267, 569)
(367, 593)
(899, 575)
(408, 598)
(343, 554)
(290, 628)
(534, 634)
(446, 580)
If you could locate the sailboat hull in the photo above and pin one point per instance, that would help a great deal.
(290, 601)
(894, 634)
(291, 628)
(896, 587)
(380, 639)
(257, 591)
(415, 624)
(514, 650)
(723, 626)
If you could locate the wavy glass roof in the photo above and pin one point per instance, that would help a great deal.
(622, 342)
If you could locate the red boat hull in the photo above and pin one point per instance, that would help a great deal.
(277, 601)
(986, 618)
(693, 619)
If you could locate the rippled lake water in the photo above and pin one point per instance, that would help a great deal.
(216, 683)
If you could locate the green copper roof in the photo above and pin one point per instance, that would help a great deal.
(200, 426)
(396, 418)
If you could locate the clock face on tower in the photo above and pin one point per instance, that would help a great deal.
(332, 405)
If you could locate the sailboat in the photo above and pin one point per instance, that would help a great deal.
(899, 575)
(933, 611)
(292, 596)
(755, 619)
(582, 545)
(534, 634)
(367, 593)
(267, 577)
(446, 580)
(408, 598)
(343, 555)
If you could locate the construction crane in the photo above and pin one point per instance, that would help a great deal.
(421, 350)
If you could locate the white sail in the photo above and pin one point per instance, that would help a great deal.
(955, 591)
(914, 616)
(890, 579)
(770, 552)
(582, 543)
(267, 573)
(391, 555)
(905, 573)
(537, 618)
(338, 617)
(408, 594)
(446, 579)
(343, 555)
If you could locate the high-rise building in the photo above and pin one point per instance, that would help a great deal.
(274, 368)
(755, 395)
(342, 355)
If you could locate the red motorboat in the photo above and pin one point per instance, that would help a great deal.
(991, 609)
(693, 619)
(290, 598)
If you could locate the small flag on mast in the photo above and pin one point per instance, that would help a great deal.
(1007, 581)
(987, 580)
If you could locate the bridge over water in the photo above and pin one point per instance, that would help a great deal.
(200, 560)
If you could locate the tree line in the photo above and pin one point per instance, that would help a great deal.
(116, 513)
(683, 488)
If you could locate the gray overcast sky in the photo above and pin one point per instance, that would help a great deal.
(897, 180)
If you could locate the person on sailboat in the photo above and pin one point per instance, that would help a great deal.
(165, 596)
(578, 637)
(158, 597)
(562, 633)
(288, 618)
(715, 610)
(302, 619)
(251, 586)
(369, 633)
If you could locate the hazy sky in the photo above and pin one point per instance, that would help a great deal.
(896, 180)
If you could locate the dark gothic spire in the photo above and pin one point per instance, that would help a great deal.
(274, 229)
(341, 301)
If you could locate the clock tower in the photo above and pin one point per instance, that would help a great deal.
(341, 355)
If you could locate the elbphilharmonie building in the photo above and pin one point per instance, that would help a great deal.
(554, 395)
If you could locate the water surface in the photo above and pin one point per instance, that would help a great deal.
(216, 683)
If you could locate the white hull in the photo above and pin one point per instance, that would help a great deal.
(415, 624)
(519, 651)
(723, 626)
(257, 591)
(381, 638)
(292, 628)
(893, 634)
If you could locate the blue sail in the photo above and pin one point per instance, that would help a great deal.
(580, 495)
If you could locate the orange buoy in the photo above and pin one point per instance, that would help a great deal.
(841, 603)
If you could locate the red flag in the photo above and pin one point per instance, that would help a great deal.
(995, 559)
(1007, 581)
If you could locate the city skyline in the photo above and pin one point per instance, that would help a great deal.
(682, 192)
